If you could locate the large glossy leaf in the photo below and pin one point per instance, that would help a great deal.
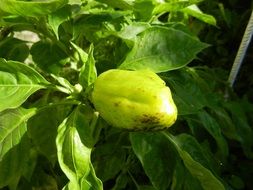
(156, 156)
(205, 177)
(182, 179)
(160, 49)
(243, 129)
(228, 127)
(213, 128)
(187, 94)
(179, 158)
(74, 143)
(17, 82)
(111, 156)
(31, 8)
(198, 152)
(13, 125)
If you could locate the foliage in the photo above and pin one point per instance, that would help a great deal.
(51, 137)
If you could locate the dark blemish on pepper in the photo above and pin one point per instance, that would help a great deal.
(149, 119)
(116, 104)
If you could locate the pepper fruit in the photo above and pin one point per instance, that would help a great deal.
(134, 100)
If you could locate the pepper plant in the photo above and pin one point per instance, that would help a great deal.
(53, 137)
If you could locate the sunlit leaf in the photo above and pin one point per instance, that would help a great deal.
(74, 150)
(173, 6)
(65, 84)
(160, 49)
(13, 125)
(88, 73)
(82, 55)
(17, 82)
(31, 8)
(194, 11)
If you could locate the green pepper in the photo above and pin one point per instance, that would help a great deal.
(134, 100)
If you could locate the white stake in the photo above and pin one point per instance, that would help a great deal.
(241, 52)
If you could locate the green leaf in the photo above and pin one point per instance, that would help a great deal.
(14, 49)
(112, 155)
(42, 180)
(130, 32)
(31, 8)
(242, 126)
(187, 94)
(49, 56)
(13, 125)
(74, 149)
(145, 187)
(173, 6)
(82, 55)
(88, 73)
(143, 9)
(194, 11)
(47, 119)
(109, 155)
(213, 128)
(122, 4)
(228, 127)
(160, 49)
(195, 172)
(58, 17)
(17, 82)
(121, 181)
(206, 178)
(198, 152)
(66, 86)
(93, 27)
(14, 163)
(88, 125)
(182, 179)
(156, 156)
